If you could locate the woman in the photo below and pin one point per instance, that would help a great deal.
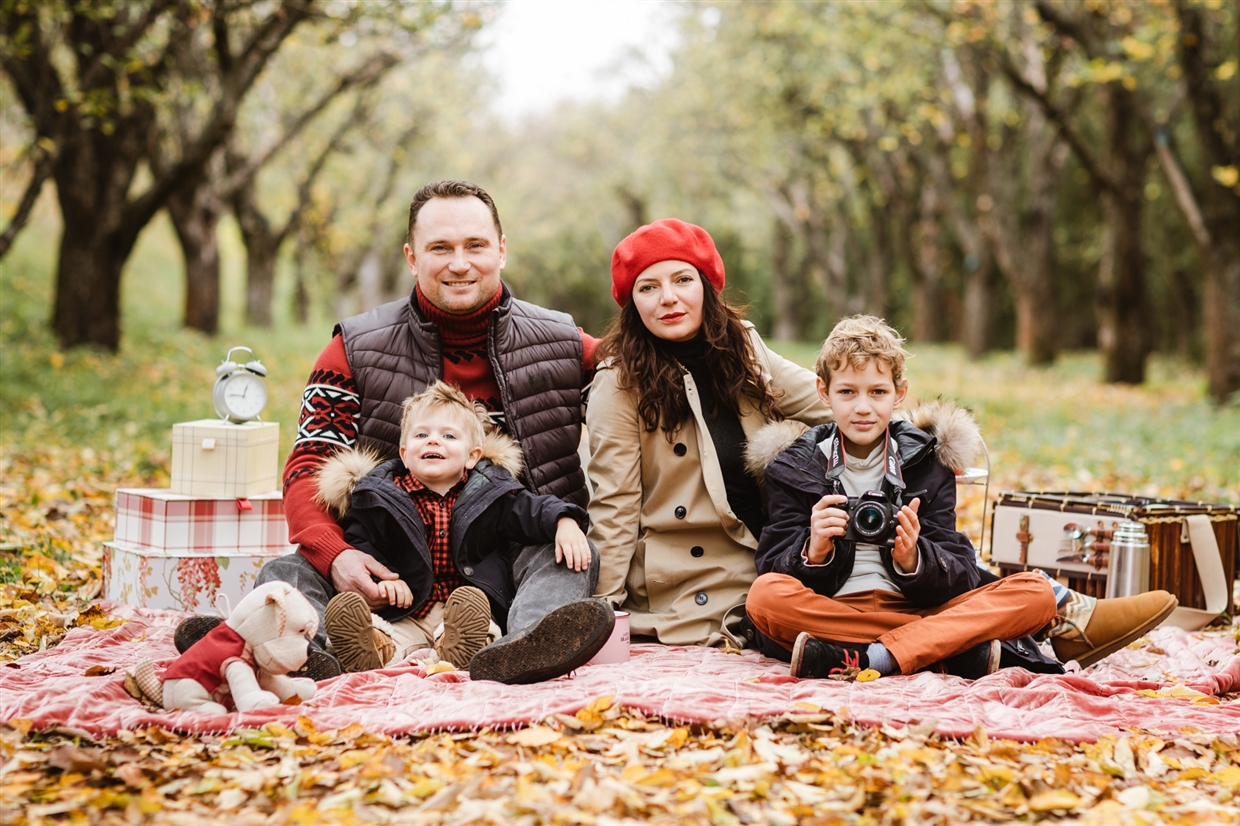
(683, 383)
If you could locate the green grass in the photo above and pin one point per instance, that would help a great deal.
(1047, 428)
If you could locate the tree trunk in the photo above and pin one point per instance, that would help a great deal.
(262, 245)
(1222, 317)
(784, 326)
(93, 175)
(881, 261)
(195, 214)
(928, 267)
(979, 304)
(1123, 306)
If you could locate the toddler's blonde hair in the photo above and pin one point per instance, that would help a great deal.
(443, 396)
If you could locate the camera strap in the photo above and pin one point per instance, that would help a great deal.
(893, 476)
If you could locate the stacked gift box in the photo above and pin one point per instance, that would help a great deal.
(209, 534)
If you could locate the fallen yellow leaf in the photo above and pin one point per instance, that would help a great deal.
(535, 736)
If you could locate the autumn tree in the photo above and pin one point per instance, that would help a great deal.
(93, 78)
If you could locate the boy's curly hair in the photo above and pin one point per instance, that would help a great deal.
(440, 395)
(856, 341)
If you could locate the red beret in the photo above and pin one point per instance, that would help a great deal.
(665, 240)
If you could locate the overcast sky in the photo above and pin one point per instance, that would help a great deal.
(546, 50)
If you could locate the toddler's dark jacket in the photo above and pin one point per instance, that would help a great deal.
(494, 517)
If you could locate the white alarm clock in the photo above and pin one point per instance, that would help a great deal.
(240, 393)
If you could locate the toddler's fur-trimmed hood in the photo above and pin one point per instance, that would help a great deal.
(958, 439)
(341, 472)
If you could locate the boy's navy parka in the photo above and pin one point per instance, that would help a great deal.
(797, 478)
(493, 518)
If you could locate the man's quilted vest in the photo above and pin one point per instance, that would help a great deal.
(536, 355)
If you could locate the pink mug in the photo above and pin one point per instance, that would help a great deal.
(616, 650)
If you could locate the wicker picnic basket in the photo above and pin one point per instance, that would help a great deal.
(1042, 529)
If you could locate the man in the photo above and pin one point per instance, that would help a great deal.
(526, 364)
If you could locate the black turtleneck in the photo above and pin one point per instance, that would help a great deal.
(725, 431)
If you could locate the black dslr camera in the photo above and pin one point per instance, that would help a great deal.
(871, 519)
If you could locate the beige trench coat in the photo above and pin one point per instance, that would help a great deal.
(673, 553)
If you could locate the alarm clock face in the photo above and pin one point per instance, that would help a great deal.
(245, 396)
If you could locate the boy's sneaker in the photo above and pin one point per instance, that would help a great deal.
(319, 664)
(466, 626)
(975, 663)
(557, 644)
(192, 629)
(815, 658)
(358, 644)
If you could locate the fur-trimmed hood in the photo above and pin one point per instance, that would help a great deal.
(958, 439)
(340, 474)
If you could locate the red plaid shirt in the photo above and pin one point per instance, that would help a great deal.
(436, 513)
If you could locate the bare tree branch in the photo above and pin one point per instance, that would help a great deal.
(39, 175)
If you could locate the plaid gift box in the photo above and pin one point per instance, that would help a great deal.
(156, 520)
(214, 458)
(177, 582)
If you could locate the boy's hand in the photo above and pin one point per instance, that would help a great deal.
(571, 546)
(909, 528)
(825, 523)
(397, 592)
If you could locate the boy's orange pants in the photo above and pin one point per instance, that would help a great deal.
(782, 606)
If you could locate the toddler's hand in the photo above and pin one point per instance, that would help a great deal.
(571, 546)
(825, 523)
(909, 528)
(396, 592)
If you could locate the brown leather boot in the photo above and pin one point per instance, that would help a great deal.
(1115, 623)
(358, 644)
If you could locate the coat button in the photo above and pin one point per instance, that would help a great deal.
(697, 550)
(467, 570)
(701, 598)
(680, 511)
(680, 449)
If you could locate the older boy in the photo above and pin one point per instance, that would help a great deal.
(443, 517)
(900, 603)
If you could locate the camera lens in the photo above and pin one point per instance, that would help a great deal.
(870, 520)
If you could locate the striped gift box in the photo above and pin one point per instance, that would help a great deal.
(160, 521)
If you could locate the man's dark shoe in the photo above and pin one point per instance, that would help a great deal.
(192, 629)
(977, 662)
(557, 644)
(818, 659)
(319, 664)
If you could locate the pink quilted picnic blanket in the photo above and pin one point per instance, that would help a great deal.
(1170, 686)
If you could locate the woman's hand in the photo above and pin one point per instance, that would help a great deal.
(825, 523)
(909, 528)
(397, 592)
(571, 546)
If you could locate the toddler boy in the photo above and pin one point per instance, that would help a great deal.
(444, 518)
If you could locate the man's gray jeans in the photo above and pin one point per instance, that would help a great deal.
(542, 584)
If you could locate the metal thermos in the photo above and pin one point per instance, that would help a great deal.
(1129, 571)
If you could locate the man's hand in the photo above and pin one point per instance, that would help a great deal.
(825, 523)
(571, 546)
(909, 528)
(353, 570)
(397, 592)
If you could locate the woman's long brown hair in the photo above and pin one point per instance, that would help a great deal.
(647, 369)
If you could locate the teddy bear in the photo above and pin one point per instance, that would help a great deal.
(248, 656)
